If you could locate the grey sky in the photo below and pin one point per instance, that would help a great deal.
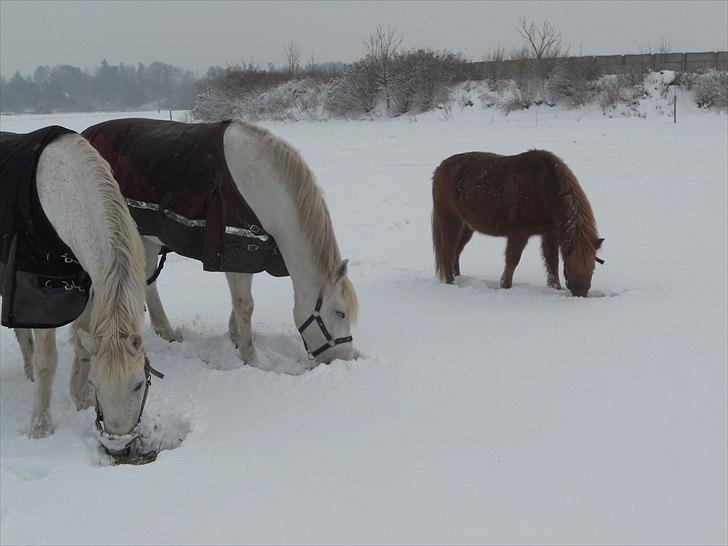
(197, 34)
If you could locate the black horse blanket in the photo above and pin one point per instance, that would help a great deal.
(176, 182)
(41, 283)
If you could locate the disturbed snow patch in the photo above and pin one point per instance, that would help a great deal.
(155, 435)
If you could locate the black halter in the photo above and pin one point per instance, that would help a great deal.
(148, 373)
(330, 341)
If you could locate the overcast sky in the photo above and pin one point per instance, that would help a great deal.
(199, 34)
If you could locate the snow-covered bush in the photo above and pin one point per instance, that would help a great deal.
(355, 91)
(609, 93)
(574, 81)
(215, 104)
(419, 80)
(222, 98)
(711, 89)
(519, 99)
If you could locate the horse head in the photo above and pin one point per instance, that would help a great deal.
(579, 260)
(326, 331)
(119, 372)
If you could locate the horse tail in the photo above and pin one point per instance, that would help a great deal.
(437, 246)
(445, 228)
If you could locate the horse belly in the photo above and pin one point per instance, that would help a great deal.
(486, 217)
(497, 220)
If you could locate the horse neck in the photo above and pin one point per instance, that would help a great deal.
(267, 194)
(576, 219)
(78, 197)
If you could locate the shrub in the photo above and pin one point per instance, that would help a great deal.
(355, 91)
(609, 94)
(711, 89)
(520, 99)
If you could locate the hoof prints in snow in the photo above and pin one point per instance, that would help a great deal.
(280, 353)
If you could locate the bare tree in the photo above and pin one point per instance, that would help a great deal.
(311, 65)
(292, 52)
(543, 42)
(382, 46)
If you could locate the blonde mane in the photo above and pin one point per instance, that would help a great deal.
(118, 303)
(313, 214)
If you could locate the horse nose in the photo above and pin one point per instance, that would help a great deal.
(117, 427)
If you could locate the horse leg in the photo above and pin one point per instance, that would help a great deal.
(465, 234)
(240, 331)
(514, 248)
(550, 251)
(81, 390)
(45, 357)
(157, 316)
(25, 340)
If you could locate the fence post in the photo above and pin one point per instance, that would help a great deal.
(684, 62)
(674, 107)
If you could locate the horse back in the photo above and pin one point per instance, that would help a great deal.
(500, 195)
(175, 179)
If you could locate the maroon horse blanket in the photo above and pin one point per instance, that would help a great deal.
(176, 182)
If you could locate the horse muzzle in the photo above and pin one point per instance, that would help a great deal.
(117, 444)
(579, 292)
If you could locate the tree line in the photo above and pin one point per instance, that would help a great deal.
(107, 87)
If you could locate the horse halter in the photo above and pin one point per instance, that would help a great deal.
(330, 341)
(148, 372)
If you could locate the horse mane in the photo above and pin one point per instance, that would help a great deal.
(578, 228)
(118, 302)
(313, 214)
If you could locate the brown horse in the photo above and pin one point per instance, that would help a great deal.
(533, 193)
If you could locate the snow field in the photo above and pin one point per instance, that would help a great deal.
(474, 414)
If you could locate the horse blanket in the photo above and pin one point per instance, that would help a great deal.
(41, 283)
(178, 187)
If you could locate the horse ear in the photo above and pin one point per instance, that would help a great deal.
(598, 243)
(340, 271)
(88, 341)
(134, 343)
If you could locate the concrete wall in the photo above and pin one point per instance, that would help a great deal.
(607, 64)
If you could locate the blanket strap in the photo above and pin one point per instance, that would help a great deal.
(163, 253)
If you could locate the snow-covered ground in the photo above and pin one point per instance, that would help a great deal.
(475, 415)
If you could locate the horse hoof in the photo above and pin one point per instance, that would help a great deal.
(506, 284)
(248, 355)
(169, 335)
(551, 282)
(29, 373)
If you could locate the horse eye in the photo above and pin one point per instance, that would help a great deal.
(340, 314)
(139, 386)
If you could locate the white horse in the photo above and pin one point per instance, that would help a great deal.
(82, 201)
(281, 189)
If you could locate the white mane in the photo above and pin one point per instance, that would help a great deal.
(118, 303)
(313, 214)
